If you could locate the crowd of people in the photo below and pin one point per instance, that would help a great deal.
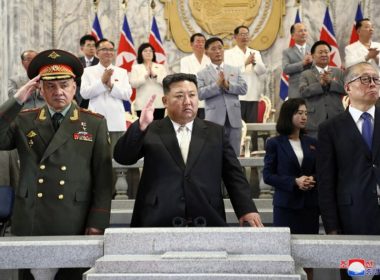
(66, 118)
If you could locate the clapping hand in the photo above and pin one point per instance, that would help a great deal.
(106, 77)
(305, 183)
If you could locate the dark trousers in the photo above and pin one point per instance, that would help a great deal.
(249, 111)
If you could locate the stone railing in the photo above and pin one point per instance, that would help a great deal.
(187, 253)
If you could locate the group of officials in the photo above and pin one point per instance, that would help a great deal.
(55, 197)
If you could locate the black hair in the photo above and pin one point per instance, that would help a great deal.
(97, 44)
(85, 38)
(319, 43)
(284, 124)
(237, 29)
(177, 77)
(142, 47)
(212, 40)
(192, 38)
(360, 23)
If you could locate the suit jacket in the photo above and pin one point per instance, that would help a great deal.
(169, 188)
(281, 168)
(236, 57)
(93, 62)
(146, 86)
(322, 102)
(292, 65)
(66, 176)
(356, 52)
(190, 64)
(347, 174)
(220, 102)
(105, 101)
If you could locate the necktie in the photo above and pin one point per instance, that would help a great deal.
(88, 63)
(367, 129)
(184, 141)
(302, 49)
(57, 119)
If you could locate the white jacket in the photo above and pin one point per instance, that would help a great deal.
(356, 52)
(104, 101)
(236, 57)
(146, 87)
(190, 65)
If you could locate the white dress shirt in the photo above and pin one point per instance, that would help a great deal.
(190, 64)
(251, 73)
(105, 101)
(356, 52)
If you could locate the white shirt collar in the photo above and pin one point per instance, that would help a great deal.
(322, 69)
(176, 126)
(221, 66)
(356, 114)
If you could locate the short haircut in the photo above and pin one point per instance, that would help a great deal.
(26, 51)
(212, 40)
(85, 38)
(293, 27)
(319, 43)
(142, 47)
(177, 77)
(192, 38)
(352, 72)
(97, 44)
(237, 29)
(360, 23)
(284, 124)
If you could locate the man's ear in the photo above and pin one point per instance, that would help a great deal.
(347, 88)
(165, 100)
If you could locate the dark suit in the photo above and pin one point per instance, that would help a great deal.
(292, 65)
(169, 188)
(66, 176)
(80, 100)
(348, 173)
(293, 207)
(322, 102)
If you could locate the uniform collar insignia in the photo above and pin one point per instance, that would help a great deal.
(75, 115)
(42, 115)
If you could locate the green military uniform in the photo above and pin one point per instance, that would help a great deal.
(65, 176)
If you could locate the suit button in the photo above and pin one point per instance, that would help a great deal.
(374, 165)
(62, 182)
(182, 198)
(60, 197)
(42, 166)
(63, 168)
(39, 195)
(40, 180)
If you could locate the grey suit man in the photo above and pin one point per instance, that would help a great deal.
(220, 86)
(322, 88)
(294, 60)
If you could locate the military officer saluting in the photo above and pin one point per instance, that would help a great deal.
(66, 171)
(65, 161)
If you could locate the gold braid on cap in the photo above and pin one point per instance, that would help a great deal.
(56, 72)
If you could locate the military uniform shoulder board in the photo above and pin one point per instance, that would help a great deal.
(91, 113)
(30, 110)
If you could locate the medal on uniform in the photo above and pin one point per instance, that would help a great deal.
(30, 136)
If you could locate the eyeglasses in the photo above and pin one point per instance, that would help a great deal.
(243, 34)
(366, 80)
(106, 50)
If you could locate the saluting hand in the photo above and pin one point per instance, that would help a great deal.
(26, 90)
(146, 116)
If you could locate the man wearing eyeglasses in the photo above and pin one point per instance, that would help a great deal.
(107, 86)
(348, 161)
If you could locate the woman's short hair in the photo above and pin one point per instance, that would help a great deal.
(142, 47)
(284, 124)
